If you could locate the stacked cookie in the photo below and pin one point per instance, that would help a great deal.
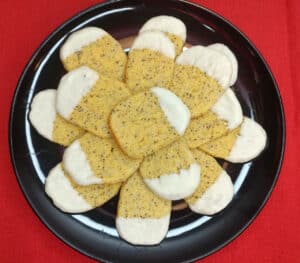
(147, 124)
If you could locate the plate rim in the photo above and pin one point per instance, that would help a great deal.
(107, 3)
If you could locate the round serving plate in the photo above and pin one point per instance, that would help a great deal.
(191, 236)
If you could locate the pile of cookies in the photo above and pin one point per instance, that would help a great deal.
(147, 125)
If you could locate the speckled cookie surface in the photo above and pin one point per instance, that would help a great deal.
(148, 68)
(73, 198)
(105, 55)
(142, 217)
(106, 159)
(95, 194)
(177, 41)
(64, 132)
(48, 123)
(170, 159)
(137, 201)
(221, 147)
(171, 26)
(195, 88)
(224, 116)
(93, 111)
(204, 128)
(172, 172)
(140, 126)
(242, 144)
(210, 170)
(215, 190)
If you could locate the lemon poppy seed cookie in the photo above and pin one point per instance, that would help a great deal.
(150, 61)
(148, 121)
(215, 190)
(95, 48)
(73, 198)
(142, 217)
(93, 160)
(200, 77)
(172, 172)
(224, 116)
(86, 99)
(173, 27)
(48, 123)
(230, 55)
(240, 145)
(211, 62)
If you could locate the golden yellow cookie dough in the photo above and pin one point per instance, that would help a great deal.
(221, 147)
(177, 41)
(106, 159)
(148, 68)
(205, 128)
(64, 132)
(137, 201)
(140, 126)
(95, 194)
(210, 170)
(195, 88)
(93, 111)
(171, 159)
(104, 55)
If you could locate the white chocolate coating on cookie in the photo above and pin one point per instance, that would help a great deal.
(79, 39)
(143, 231)
(212, 62)
(216, 197)
(77, 165)
(250, 142)
(169, 24)
(156, 41)
(229, 54)
(43, 113)
(175, 110)
(60, 190)
(229, 109)
(72, 88)
(176, 186)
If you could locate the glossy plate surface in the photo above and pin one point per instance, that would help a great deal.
(191, 236)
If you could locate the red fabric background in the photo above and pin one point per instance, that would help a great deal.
(273, 26)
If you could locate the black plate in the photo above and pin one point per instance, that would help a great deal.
(191, 236)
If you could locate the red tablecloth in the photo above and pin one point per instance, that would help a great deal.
(273, 26)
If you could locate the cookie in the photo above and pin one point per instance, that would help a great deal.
(224, 116)
(48, 123)
(142, 217)
(95, 48)
(73, 198)
(230, 55)
(172, 172)
(94, 160)
(173, 27)
(86, 99)
(240, 145)
(215, 190)
(150, 62)
(200, 77)
(148, 121)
